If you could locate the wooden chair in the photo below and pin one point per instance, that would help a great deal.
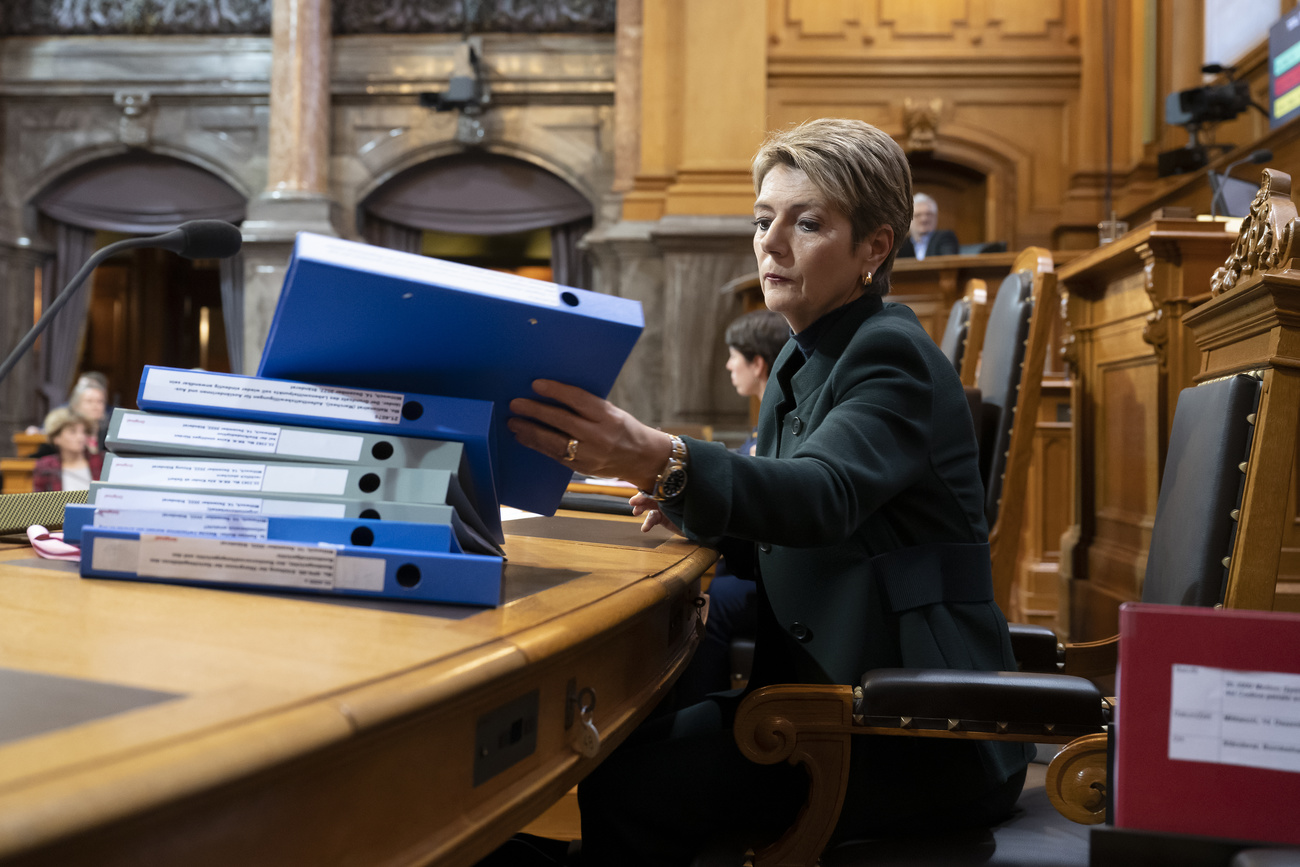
(956, 333)
(813, 725)
(963, 337)
(1012, 332)
(1015, 340)
(976, 296)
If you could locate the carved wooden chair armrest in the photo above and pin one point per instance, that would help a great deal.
(812, 726)
(1091, 658)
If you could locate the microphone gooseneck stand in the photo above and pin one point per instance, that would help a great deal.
(197, 239)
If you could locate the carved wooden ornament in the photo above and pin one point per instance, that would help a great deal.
(921, 123)
(1264, 241)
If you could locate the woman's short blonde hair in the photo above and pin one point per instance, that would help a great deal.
(62, 418)
(857, 167)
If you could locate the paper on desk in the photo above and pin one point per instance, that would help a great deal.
(608, 483)
(509, 513)
(1247, 718)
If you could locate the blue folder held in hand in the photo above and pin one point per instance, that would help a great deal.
(355, 315)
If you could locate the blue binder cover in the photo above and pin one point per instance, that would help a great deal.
(355, 315)
(250, 398)
(362, 532)
(346, 570)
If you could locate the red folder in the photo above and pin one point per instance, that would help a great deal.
(1208, 738)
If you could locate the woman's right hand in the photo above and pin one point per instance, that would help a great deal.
(644, 503)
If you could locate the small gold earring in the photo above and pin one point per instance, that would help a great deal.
(866, 279)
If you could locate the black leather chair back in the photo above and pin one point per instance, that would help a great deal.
(1001, 364)
(955, 333)
(1199, 492)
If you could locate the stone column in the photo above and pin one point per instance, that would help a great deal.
(297, 196)
(627, 96)
(626, 263)
(701, 255)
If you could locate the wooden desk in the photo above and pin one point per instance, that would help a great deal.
(16, 475)
(1130, 354)
(294, 730)
(931, 285)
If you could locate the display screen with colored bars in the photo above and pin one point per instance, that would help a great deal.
(1284, 69)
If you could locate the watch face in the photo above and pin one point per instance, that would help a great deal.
(674, 482)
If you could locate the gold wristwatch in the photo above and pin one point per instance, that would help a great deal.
(672, 481)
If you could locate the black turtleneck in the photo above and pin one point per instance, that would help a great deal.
(808, 338)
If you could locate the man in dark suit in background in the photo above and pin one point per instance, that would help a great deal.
(923, 239)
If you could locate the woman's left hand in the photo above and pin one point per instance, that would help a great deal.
(644, 504)
(590, 434)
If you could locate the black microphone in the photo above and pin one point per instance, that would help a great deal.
(1262, 155)
(200, 239)
(197, 239)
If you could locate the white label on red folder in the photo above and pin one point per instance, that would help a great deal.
(200, 433)
(262, 564)
(1248, 718)
(214, 390)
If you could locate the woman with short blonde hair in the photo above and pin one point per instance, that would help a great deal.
(866, 461)
(72, 467)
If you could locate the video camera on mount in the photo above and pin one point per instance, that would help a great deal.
(1200, 107)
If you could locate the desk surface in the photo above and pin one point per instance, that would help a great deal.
(245, 728)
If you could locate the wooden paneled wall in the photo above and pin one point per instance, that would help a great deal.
(984, 94)
(1009, 108)
(1130, 355)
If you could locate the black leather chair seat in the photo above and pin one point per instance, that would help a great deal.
(1005, 702)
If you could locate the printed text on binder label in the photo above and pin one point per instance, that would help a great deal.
(199, 389)
(262, 564)
(1249, 718)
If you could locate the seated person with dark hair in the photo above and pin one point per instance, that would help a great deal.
(923, 239)
(753, 341)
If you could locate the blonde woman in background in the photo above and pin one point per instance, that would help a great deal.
(72, 467)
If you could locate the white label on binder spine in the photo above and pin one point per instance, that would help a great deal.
(115, 555)
(321, 445)
(262, 564)
(186, 473)
(359, 573)
(155, 521)
(200, 433)
(1248, 718)
(289, 479)
(181, 501)
(214, 390)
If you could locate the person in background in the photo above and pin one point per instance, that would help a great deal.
(89, 400)
(72, 467)
(923, 239)
(753, 341)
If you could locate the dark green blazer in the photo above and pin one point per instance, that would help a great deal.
(865, 449)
